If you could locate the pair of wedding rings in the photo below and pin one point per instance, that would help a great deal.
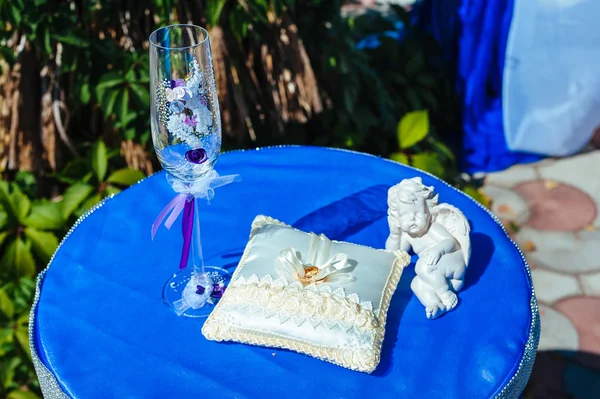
(310, 274)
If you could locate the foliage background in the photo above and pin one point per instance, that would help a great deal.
(74, 110)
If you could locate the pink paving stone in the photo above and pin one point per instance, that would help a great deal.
(562, 208)
(584, 313)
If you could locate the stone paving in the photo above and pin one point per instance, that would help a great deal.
(551, 210)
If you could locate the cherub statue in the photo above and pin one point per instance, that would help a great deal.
(438, 234)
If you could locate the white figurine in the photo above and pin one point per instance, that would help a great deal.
(438, 234)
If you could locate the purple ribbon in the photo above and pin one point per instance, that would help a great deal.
(185, 203)
(203, 188)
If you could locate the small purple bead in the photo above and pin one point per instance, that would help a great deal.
(197, 156)
(177, 83)
(200, 290)
(218, 291)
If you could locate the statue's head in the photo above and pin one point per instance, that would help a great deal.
(412, 202)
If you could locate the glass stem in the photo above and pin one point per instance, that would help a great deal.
(197, 256)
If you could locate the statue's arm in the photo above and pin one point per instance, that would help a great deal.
(395, 241)
(446, 243)
(405, 243)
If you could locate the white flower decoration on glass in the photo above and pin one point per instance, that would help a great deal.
(187, 116)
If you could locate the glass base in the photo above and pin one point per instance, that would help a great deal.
(174, 287)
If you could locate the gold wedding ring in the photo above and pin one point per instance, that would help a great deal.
(310, 275)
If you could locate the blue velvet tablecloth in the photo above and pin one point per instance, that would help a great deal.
(101, 329)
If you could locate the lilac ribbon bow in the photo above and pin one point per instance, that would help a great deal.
(184, 201)
(180, 202)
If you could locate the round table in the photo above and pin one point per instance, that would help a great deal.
(99, 328)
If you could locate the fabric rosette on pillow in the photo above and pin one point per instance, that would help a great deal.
(303, 292)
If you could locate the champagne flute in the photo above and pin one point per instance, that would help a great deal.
(186, 132)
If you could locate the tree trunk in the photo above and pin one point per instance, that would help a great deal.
(21, 147)
(273, 85)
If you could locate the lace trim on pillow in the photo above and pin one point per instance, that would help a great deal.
(363, 358)
(319, 305)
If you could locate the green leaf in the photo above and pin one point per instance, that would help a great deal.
(107, 102)
(75, 171)
(348, 102)
(43, 243)
(23, 204)
(16, 15)
(429, 163)
(113, 152)
(45, 215)
(6, 304)
(3, 219)
(73, 197)
(109, 79)
(128, 117)
(21, 291)
(90, 202)
(107, 91)
(399, 157)
(429, 98)
(8, 367)
(22, 337)
(87, 177)
(24, 291)
(72, 40)
(22, 395)
(129, 134)
(130, 75)
(17, 258)
(47, 41)
(141, 94)
(413, 99)
(213, 11)
(399, 79)
(15, 203)
(26, 182)
(112, 190)
(123, 108)
(24, 318)
(477, 195)
(427, 81)
(443, 149)
(5, 335)
(84, 93)
(413, 128)
(99, 160)
(415, 64)
(125, 177)
(3, 236)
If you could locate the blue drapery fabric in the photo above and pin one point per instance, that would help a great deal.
(484, 27)
(102, 329)
(473, 36)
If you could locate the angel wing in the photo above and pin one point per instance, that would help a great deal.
(457, 224)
